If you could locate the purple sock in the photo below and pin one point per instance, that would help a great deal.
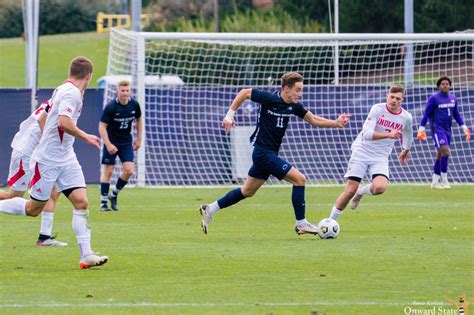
(232, 197)
(444, 164)
(437, 168)
(297, 198)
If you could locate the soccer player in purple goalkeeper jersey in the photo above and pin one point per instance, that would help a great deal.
(440, 109)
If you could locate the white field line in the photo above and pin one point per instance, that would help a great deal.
(207, 305)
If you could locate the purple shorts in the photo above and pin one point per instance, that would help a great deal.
(441, 138)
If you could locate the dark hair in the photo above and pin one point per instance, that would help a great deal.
(445, 78)
(80, 67)
(396, 88)
(290, 78)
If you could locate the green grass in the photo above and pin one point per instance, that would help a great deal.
(410, 245)
(55, 53)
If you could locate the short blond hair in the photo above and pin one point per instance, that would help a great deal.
(123, 83)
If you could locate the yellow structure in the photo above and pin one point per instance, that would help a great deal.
(107, 21)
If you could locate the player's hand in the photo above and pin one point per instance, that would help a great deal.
(136, 144)
(467, 133)
(403, 157)
(228, 124)
(421, 135)
(111, 148)
(394, 134)
(343, 119)
(92, 139)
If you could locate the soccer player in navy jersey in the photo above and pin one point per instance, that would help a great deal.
(115, 128)
(275, 112)
(440, 110)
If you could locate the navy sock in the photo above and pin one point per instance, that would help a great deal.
(104, 189)
(437, 167)
(119, 185)
(444, 164)
(297, 198)
(232, 197)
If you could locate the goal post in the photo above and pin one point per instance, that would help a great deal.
(185, 83)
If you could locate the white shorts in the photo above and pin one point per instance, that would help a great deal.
(360, 168)
(44, 176)
(19, 175)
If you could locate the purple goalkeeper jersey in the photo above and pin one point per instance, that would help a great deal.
(440, 110)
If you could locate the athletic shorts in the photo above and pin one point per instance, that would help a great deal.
(44, 177)
(360, 168)
(125, 153)
(19, 175)
(266, 163)
(440, 138)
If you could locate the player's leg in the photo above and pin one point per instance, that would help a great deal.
(379, 173)
(440, 169)
(125, 153)
(72, 184)
(108, 164)
(45, 237)
(18, 176)
(249, 189)
(444, 152)
(349, 192)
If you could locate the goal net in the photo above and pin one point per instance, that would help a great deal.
(185, 84)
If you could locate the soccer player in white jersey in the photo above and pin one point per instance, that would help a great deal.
(23, 144)
(54, 161)
(385, 123)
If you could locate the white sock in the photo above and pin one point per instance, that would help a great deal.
(46, 223)
(364, 190)
(301, 222)
(444, 177)
(80, 225)
(436, 178)
(14, 206)
(213, 208)
(335, 213)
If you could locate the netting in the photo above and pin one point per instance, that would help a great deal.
(190, 84)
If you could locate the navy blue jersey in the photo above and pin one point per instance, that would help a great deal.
(119, 119)
(273, 119)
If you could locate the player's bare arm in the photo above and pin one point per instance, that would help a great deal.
(67, 125)
(319, 121)
(404, 156)
(138, 140)
(394, 134)
(105, 137)
(228, 122)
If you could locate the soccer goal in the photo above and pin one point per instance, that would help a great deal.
(185, 83)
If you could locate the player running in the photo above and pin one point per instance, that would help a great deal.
(385, 123)
(275, 112)
(440, 110)
(54, 161)
(23, 144)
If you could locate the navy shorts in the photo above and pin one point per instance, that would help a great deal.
(125, 153)
(441, 138)
(266, 163)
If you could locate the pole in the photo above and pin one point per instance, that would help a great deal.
(336, 46)
(136, 15)
(409, 67)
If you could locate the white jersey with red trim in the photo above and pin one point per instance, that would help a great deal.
(28, 137)
(381, 119)
(56, 146)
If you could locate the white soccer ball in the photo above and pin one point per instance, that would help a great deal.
(328, 228)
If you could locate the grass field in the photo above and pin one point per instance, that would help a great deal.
(411, 247)
(55, 53)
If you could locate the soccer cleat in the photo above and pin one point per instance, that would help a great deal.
(104, 207)
(445, 184)
(92, 260)
(306, 228)
(113, 202)
(206, 217)
(50, 242)
(438, 186)
(355, 201)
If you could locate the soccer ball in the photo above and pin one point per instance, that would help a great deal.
(328, 228)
